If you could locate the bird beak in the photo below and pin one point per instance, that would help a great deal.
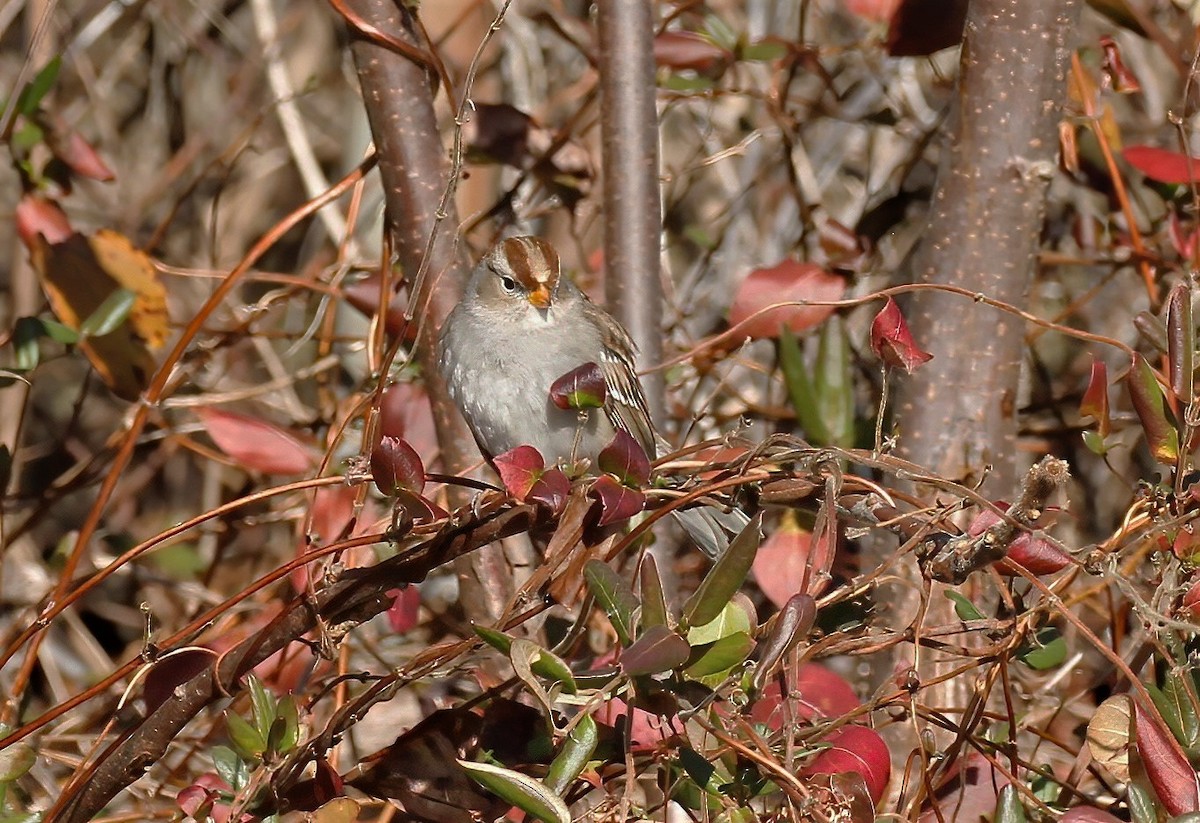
(540, 297)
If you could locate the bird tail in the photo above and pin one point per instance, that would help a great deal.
(711, 527)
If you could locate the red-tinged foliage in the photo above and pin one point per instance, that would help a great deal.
(921, 27)
(892, 342)
(855, 749)
(1033, 554)
(1163, 165)
(313, 793)
(581, 388)
(786, 282)
(404, 411)
(876, 11)
(1095, 398)
(813, 693)
(396, 467)
(1186, 545)
(689, 50)
(617, 502)
(36, 216)
(550, 490)
(519, 470)
(1183, 241)
(1191, 600)
(173, 670)
(203, 800)
(1147, 398)
(1170, 773)
(83, 159)
(967, 792)
(1120, 77)
(256, 444)
(403, 616)
(647, 731)
(625, 460)
(363, 294)
(787, 564)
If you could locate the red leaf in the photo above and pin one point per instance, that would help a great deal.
(1095, 398)
(617, 502)
(581, 388)
(1170, 773)
(1163, 165)
(1031, 553)
(1088, 814)
(550, 490)
(646, 730)
(405, 411)
(785, 282)
(625, 459)
(79, 155)
(1182, 241)
(855, 749)
(39, 216)
(173, 670)
(1123, 80)
(876, 11)
(814, 692)
(785, 564)
(405, 609)
(396, 467)
(892, 342)
(689, 50)
(921, 27)
(519, 470)
(256, 444)
(1191, 600)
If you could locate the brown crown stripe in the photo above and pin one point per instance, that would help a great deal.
(533, 261)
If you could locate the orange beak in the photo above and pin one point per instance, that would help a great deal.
(540, 297)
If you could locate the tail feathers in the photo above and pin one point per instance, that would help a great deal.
(711, 528)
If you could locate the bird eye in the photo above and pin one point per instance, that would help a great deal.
(508, 284)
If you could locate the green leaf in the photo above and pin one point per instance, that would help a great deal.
(800, 389)
(697, 766)
(725, 577)
(110, 314)
(614, 596)
(1142, 808)
(230, 768)
(763, 51)
(36, 89)
(1176, 708)
(527, 794)
(720, 656)
(1095, 443)
(834, 383)
(498, 640)
(654, 602)
(732, 619)
(576, 752)
(1147, 397)
(58, 332)
(1008, 806)
(963, 607)
(1047, 650)
(248, 742)
(687, 83)
(264, 705)
(290, 715)
(26, 332)
(16, 761)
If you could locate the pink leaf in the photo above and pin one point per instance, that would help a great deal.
(785, 282)
(876, 11)
(40, 216)
(1088, 814)
(856, 749)
(519, 470)
(688, 50)
(617, 502)
(625, 459)
(647, 730)
(813, 692)
(256, 444)
(1033, 554)
(892, 342)
(784, 564)
(396, 467)
(1163, 165)
(1095, 398)
(83, 159)
(405, 609)
(581, 388)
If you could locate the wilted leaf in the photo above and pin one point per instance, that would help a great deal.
(791, 626)
(788, 281)
(257, 444)
(892, 342)
(581, 388)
